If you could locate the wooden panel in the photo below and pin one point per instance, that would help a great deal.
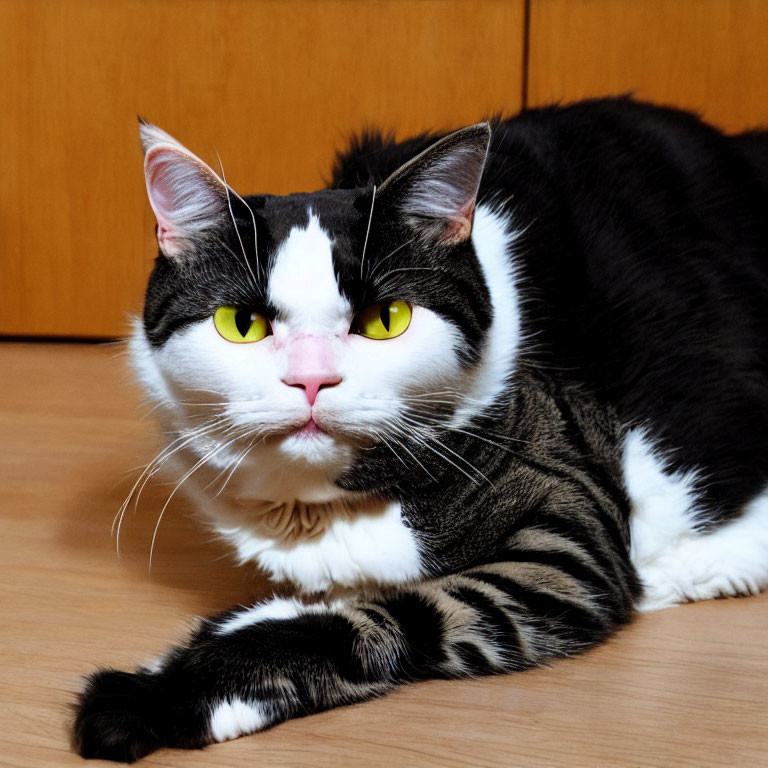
(273, 85)
(682, 688)
(706, 55)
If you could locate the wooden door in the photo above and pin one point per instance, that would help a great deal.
(273, 85)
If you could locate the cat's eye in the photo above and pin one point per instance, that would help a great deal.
(242, 326)
(385, 320)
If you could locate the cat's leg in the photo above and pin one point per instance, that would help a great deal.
(550, 594)
(676, 562)
(729, 561)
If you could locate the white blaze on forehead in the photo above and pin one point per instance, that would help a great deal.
(303, 284)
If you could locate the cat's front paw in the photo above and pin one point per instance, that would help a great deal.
(124, 716)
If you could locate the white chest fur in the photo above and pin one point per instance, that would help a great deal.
(364, 542)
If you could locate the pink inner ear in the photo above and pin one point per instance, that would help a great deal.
(159, 173)
(459, 227)
(160, 169)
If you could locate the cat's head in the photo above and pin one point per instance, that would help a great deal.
(295, 333)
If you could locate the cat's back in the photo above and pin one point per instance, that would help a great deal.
(647, 250)
(753, 147)
(650, 173)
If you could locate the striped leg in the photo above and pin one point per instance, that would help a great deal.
(246, 671)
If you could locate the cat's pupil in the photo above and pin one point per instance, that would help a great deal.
(384, 314)
(243, 320)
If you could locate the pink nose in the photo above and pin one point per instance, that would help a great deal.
(310, 365)
(312, 383)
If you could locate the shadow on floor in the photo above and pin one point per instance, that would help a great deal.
(187, 555)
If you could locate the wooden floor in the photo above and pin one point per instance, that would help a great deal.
(684, 687)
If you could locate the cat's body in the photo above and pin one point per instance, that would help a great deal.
(577, 407)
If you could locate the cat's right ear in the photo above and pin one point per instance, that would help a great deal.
(436, 191)
(187, 196)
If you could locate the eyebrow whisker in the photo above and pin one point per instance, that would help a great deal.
(367, 231)
(230, 192)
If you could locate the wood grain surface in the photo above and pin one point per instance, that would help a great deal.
(275, 86)
(710, 56)
(685, 687)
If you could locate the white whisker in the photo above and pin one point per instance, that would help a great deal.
(440, 423)
(391, 449)
(367, 231)
(153, 466)
(237, 463)
(402, 445)
(423, 442)
(234, 223)
(414, 429)
(389, 255)
(181, 482)
(381, 279)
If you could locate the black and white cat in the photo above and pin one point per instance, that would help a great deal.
(477, 401)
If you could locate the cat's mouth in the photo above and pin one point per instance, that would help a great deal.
(309, 429)
(317, 429)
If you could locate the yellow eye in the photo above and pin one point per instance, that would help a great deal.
(383, 321)
(240, 325)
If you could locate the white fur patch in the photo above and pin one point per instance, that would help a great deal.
(493, 240)
(276, 608)
(303, 284)
(235, 717)
(145, 366)
(662, 503)
(155, 666)
(370, 547)
(677, 563)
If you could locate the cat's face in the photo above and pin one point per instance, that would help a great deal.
(294, 334)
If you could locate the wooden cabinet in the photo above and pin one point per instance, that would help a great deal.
(272, 85)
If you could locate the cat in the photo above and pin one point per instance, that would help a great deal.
(478, 401)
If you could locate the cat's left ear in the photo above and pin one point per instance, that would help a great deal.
(187, 196)
(436, 191)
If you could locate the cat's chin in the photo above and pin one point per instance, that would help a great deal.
(314, 446)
